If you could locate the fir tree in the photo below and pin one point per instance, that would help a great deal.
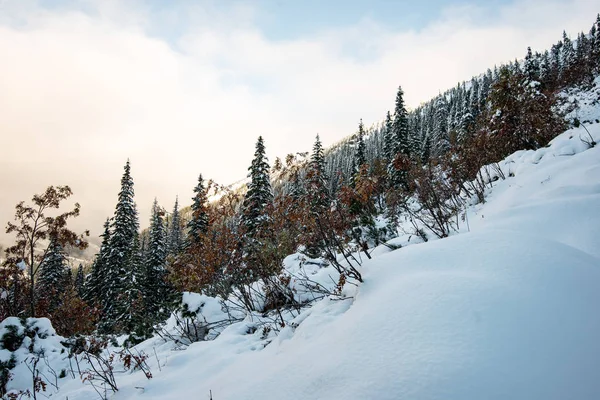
(360, 157)
(175, 233)
(51, 281)
(400, 125)
(318, 195)
(198, 224)
(136, 318)
(118, 269)
(399, 145)
(568, 60)
(259, 195)
(532, 72)
(255, 216)
(389, 140)
(155, 290)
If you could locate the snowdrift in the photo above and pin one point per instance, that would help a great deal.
(507, 310)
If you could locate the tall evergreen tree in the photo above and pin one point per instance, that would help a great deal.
(124, 230)
(51, 281)
(317, 194)
(360, 157)
(155, 264)
(317, 178)
(255, 217)
(531, 67)
(136, 318)
(400, 125)
(198, 224)
(260, 193)
(400, 142)
(389, 140)
(568, 60)
(175, 240)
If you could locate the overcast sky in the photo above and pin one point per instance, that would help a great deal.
(186, 87)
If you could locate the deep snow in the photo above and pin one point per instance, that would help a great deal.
(506, 308)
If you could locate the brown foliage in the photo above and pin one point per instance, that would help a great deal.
(73, 315)
(33, 226)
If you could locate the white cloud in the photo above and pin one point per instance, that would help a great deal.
(83, 92)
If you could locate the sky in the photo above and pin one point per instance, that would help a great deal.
(186, 87)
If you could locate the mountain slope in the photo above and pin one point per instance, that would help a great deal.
(507, 310)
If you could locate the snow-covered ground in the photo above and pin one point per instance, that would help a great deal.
(506, 308)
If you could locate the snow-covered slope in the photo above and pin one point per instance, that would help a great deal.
(505, 309)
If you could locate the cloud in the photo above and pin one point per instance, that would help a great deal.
(188, 90)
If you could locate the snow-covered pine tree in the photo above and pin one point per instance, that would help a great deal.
(360, 157)
(175, 240)
(389, 141)
(440, 141)
(567, 60)
(317, 179)
(118, 269)
(317, 195)
(467, 120)
(259, 195)
(400, 125)
(155, 287)
(51, 281)
(136, 319)
(400, 144)
(531, 67)
(198, 224)
(255, 217)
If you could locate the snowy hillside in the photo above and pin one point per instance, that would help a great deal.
(507, 308)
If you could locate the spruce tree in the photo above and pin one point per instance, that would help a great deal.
(155, 289)
(51, 281)
(360, 157)
(400, 125)
(255, 217)
(400, 142)
(318, 195)
(531, 67)
(198, 224)
(568, 60)
(118, 269)
(389, 141)
(136, 319)
(259, 195)
(175, 233)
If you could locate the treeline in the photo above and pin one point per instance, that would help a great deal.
(417, 167)
(449, 119)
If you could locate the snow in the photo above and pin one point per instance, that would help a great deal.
(505, 308)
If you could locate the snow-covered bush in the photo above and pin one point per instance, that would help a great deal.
(30, 352)
(199, 317)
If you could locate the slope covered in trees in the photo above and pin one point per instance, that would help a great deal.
(307, 232)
